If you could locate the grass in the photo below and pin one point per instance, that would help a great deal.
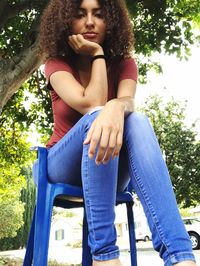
(5, 261)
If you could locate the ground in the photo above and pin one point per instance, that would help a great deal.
(145, 254)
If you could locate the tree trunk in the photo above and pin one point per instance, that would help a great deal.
(16, 70)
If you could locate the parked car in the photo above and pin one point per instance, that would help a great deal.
(142, 235)
(142, 231)
(192, 225)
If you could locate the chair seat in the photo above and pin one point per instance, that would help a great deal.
(122, 197)
(74, 194)
(70, 198)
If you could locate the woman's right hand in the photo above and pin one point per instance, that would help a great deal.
(84, 47)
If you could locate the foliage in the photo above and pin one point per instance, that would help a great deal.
(15, 160)
(14, 154)
(11, 213)
(60, 212)
(185, 212)
(41, 105)
(77, 244)
(167, 26)
(28, 199)
(30, 105)
(6, 261)
(11, 183)
(28, 196)
(179, 145)
(17, 30)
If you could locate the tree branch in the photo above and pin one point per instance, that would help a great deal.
(2, 5)
(153, 4)
(7, 11)
(16, 70)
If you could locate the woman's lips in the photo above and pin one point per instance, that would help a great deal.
(90, 35)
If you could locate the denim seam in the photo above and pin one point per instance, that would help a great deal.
(149, 206)
(146, 199)
(88, 205)
(87, 124)
(106, 256)
(179, 257)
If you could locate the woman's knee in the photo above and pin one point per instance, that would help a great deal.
(136, 117)
(137, 124)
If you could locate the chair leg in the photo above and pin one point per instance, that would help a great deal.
(29, 248)
(86, 252)
(131, 227)
(42, 229)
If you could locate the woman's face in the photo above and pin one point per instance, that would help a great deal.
(89, 22)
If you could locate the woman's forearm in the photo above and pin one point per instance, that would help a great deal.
(126, 104)
(97, 89)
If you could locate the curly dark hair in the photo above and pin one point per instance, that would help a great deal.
(56, 21)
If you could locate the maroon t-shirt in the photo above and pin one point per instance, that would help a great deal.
(66, 117)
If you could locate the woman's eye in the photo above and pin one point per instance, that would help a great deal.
(80, 15)
(99, 15)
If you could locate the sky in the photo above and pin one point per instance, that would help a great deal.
(180, 79)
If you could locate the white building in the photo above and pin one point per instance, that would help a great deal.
(68, 231)
(142, 231)
(65, 231)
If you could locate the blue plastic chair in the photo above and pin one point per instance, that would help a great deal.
(66, 196)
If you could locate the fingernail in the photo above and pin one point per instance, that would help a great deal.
(90, 155)
(105, 162)
(98, 163)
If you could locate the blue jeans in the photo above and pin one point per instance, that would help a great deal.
(141, 160)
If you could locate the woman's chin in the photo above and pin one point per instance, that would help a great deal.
(91, 39)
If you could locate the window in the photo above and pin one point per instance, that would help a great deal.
(126, 226)
(59, 234)
(195, 221)
(186, 221)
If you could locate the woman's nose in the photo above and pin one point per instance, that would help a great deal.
(90, 20)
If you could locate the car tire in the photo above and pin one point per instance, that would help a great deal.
(146, 238)
(195, 239)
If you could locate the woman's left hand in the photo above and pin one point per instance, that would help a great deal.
(106, 132)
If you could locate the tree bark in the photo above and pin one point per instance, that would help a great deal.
(16, 70)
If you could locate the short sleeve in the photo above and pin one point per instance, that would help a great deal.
(128, 69)
(54, 65)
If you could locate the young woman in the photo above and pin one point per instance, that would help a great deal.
(98, 141)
